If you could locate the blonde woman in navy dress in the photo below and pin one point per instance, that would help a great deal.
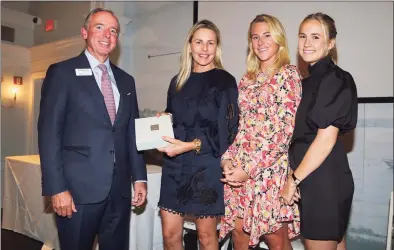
(202, 99)
(328, 108)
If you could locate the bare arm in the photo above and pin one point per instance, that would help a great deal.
(317, 152)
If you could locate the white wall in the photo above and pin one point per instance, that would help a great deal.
(155, 28)
(21, 6)
(365, 36)
(22, 23)
(46, 54)
(70, 17)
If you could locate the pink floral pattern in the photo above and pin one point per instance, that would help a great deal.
(267, 115)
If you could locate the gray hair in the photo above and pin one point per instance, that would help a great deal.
(97, 10)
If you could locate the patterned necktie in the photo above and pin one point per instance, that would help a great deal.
(106, 89)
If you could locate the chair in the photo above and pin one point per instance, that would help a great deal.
(296, 244)
(390, 225)
(189, 225)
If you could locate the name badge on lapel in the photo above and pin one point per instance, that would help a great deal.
(83, 72)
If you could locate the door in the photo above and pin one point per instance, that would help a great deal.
(36, 112)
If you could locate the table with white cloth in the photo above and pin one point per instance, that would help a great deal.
(25, 211)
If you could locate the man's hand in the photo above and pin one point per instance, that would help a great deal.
(63, 204)
(139, 196)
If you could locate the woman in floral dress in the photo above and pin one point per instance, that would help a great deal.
(256, 164)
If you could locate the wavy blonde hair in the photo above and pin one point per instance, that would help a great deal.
(186, 66)
(278, 35)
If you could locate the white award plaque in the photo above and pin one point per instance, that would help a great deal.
(149, 132)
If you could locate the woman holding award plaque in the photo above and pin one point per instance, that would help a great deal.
(202, 99)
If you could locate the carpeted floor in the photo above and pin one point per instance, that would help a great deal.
(14, 241)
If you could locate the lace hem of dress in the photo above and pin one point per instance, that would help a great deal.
(197, 216)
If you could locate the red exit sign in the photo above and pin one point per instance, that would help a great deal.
(50, 24)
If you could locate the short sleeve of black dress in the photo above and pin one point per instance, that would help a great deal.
(335, 102)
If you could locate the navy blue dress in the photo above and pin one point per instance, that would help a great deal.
(205, 108)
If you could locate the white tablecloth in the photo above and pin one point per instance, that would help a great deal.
(25, 211)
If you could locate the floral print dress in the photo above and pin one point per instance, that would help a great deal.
(267, 114)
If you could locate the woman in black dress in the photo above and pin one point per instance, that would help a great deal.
(202, 99)
(328, 108)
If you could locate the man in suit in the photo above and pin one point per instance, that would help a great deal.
(86, 137)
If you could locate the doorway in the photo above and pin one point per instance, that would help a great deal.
(37, 85)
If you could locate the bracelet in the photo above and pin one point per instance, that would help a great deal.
(295, 179)
(197, 145)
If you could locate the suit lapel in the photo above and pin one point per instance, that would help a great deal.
(121, 89)
(90, 85)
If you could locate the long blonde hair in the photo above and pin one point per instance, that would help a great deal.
(278, 35)
(330, 31)
(186, 66)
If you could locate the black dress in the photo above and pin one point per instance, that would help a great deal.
(205, 108)
(329, 97)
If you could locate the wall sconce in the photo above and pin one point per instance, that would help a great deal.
(10, 102)
(14, 91)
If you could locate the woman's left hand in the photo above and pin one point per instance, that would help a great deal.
(288, 192)
(176, 147)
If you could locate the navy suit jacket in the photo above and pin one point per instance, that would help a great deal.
(77, 141)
